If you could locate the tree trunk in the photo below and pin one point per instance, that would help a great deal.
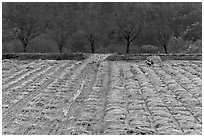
(128, 46)
(60, 48)
(24, 48)
(165, 48)
(92, 47)
(24, 45)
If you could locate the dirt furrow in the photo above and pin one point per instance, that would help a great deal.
(99, 97)
(193, 71)
(76, 107)
(48, 130)
(187, 115)
(7, 115)
(79, 80)
(115, 116)
(14, 69)
(197, 65)
(32, 110)
(21, 90)
(166, 100)
(187, 71)
(15, 76)
(91, 119)
(22, 70)
(149, 99)
(129, 85)
(24, 78)
(185, 83)
(55, 101)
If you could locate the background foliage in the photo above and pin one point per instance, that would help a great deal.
(102, 27)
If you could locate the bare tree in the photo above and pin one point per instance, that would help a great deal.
(91, 24)
(163, 36)
(163, 16)
(23, 21)
(63, 23)
(130, 22)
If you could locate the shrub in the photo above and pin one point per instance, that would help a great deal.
(148, 49)
(177, 45)
(78, 44)
(12, 46)
(45, 56)
(195, 47)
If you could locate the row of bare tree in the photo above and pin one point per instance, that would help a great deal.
(148, 23)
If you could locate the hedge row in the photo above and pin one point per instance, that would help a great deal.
(82, 56)
(117, 57)
(45, 56)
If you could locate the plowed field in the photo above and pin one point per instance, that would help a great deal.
(95, 96)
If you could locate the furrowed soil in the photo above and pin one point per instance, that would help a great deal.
(100, 97)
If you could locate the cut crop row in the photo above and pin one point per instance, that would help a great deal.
(12, 95)
(50, 108)
(33, 108)
(88, 119)
(36, 89)
(187, 114)
(74, 110)
(19, 66)
(193, 90)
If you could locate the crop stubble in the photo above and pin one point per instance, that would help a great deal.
(95, 96)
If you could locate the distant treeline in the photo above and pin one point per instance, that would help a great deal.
(98, 27)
